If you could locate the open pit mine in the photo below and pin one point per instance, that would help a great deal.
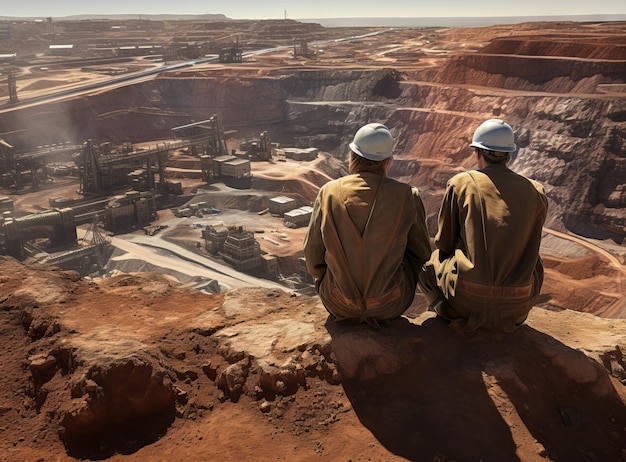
(156, 181)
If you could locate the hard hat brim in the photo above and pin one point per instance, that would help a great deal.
(479, 145)
(374, 157)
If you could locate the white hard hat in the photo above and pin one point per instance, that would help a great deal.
(373, 142)
(494, 135)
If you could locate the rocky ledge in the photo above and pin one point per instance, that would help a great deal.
(111, 367)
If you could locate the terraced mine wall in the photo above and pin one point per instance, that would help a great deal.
(534, 73)
(572, 137)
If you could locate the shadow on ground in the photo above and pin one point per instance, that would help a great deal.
(427, 393)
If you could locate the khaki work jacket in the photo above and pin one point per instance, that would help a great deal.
(487, 262)
(365, 245)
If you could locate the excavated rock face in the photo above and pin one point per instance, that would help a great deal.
(570, 133)
(561, 45)
(563, 94)
(551, 74)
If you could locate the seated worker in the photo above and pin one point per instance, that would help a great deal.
(367, 239)
(486, 270)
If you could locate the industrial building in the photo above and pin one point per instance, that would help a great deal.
(132, 210)
(50, 238)
(61, 49)
(5, 31)
(234, 244)
(104, 168)
(241, 250)
(231, 54)
(225, 167)
(307, 154)
(269, 266)
(281, 204)
(301, 48)
(299, 217)
(214, 237)
(235, 168)
(140, 50)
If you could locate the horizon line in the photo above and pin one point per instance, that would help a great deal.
(328, 17)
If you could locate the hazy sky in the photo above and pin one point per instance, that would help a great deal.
(259, 9)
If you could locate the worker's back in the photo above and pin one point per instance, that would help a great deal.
(501, 215)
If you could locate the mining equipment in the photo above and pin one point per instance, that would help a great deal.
(231, 54)
(12, 88)
(199, 209)
(57, 226)
(239, 248)
(207, 134)
(20, 169)
(258, 149)
(88, 258)
(51, 232)
(151, 230)
(102, 169)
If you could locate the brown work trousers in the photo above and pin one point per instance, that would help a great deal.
(475, 305)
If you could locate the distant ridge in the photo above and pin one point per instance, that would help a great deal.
(346, 22)
(119, 17)
(457, 21)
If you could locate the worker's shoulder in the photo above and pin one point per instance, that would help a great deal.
(537, 185)
(399, 186)
(529, 182)
(463, 178)
(393, 183)
(330, 185)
